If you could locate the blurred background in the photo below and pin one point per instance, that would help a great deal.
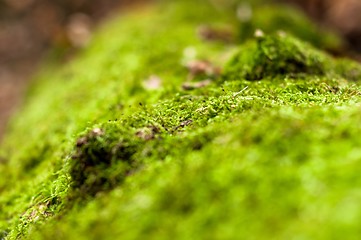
(30, 29)
(33, 29)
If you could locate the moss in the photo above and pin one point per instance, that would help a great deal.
(274, 18)
(96, 153)
(106, 157)
(348, 69)
(273, 55)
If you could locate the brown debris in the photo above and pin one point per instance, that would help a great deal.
(39, 211)
(202, 67)
(84, 140)
(183, 124)
(97, 132)
(208, 33)
(81, 141)
(196, 85)
(79, 29)
(147, 133)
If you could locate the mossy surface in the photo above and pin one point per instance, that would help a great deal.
(272, 18)
(97, 154)
(276, 55)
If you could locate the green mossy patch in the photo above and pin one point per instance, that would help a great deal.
(96, 153)
(348, 69)
(274, 55)
(269, 149)
(271, 18)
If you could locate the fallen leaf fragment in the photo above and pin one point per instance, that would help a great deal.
(196, 85)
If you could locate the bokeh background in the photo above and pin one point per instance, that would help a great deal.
(34, 30)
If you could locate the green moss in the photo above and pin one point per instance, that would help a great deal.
(274, 18)
(283, 55)
(274, 55)
(348, 69)
(95, 155)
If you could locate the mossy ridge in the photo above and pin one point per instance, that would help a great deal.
(201, 132)
(180, 198)
(216, 110)
(204, 106)
(284, 55)
(106, 50)
(115, 61)
(272, 18)
(117, 64)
